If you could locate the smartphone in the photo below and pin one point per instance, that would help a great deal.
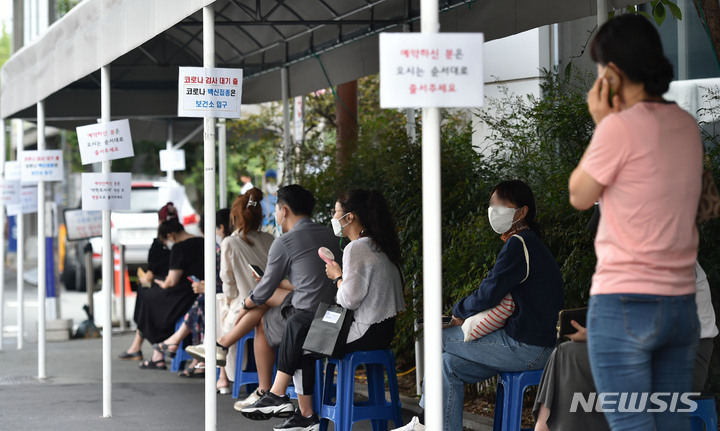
(564, 327)
(193, 279)
(256, 270)
(614, 82)
(445, 320)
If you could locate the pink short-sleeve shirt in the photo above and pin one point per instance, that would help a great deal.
(649, 158)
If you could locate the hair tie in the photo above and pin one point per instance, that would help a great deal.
(251, 203)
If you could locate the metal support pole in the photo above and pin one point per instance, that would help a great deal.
(89, 278)
(169, 147)
(209, 163)
(107, 260)
(287, 143)
(3, 152)
(41, 269)
(432, 243)
(20, 226)
(602, 12)
(222, 163)
(121, 248)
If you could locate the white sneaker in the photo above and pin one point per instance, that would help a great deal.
(413, 425)
(198, 352)
(249, 400)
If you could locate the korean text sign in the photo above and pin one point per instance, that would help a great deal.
(441, 70)
(209, 92)
(172, 160)
(83, 224)
(28, 202)
(41, 166)
(105, 141)
(106, 191)
(9, 192)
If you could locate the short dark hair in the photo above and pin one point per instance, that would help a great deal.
(300, 200)
(169, 226)
(222, 218)
(521, 195)
(633, 44)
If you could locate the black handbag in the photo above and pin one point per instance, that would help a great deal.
(329, 330)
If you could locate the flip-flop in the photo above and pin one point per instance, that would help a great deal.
(191, 373)
(153, 365)
(164, 348)
(136, 356)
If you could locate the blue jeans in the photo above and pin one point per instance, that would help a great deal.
(643, 343)
(479, 360)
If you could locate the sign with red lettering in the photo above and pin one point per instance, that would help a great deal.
(209, 92)
(41, 166)
(28, 203)
(105, 141)
(441, 70)
(106, 191)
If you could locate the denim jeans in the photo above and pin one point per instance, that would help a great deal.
(479, 360)
(643, 343)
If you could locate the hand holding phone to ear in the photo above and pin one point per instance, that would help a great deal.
(603, 98)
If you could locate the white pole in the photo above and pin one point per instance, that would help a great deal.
(2, 230)
(169, 147)
(602, 12)
(209, 163)
(107, 260)
(42, 281)
(20, 248)
(432, 243)
(285, 92)
(222, 163)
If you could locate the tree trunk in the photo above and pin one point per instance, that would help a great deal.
(709, 13)
(346, 111)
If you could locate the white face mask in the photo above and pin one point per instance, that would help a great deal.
(218, 238)
(272, 189)
(501, 218)
(279, 222)
(337, 226)
(169, 244)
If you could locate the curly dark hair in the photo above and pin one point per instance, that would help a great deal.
(371, 209)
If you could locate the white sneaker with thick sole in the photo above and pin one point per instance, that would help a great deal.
(249, 400)
(198, 352)
(413, 425)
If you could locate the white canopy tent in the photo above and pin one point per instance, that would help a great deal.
(318, 44)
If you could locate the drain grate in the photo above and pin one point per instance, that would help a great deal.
(19, 380)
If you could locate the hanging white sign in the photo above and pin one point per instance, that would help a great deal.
(83, 224)
(298, 123)
(28, 203)
(174, 193)
(105, 141)
(442, 70)
(209, 92)
(9, 192)
(12, 170)
(41, 166)
(172, 160)
(106, 191)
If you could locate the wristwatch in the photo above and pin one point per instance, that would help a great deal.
(335, 282)
(244, 305)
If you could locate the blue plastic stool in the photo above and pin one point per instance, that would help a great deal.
(705, 417)
(181, 355)
(509, 398)
(344, 412)
(248, 376)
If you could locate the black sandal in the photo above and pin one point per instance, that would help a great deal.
(164, 348)
(192, 373)
(153, 365)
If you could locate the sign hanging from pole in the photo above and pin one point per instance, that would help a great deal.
(28, 203)
(106, 191)
(298, 120)
(209, 92)
(82, 224)
(105, 141)
(41, 166)
(443, 70)
(172, 160)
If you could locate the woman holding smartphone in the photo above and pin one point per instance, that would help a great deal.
(644, 166)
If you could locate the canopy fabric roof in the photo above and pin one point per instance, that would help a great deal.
(321, 42)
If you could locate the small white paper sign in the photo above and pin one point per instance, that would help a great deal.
(174, 193)
(209, 92)
(12, 171)
(106, 191)
(41, 166)
(9, 192)
(105, 141)
(83, 224)
(28, 203)
(442, 70)
(172, 160)
(331, 317)
(298, 123)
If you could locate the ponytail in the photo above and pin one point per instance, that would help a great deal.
(246, 213)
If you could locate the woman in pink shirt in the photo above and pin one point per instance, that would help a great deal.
(644, 166)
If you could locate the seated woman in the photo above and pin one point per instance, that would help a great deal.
(194, 322)
(526, 340)
(568, 372)
(163, 305)
(369, 282)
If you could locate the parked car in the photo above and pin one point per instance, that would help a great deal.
(135, 229)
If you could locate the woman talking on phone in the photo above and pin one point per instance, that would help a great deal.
(644, 166)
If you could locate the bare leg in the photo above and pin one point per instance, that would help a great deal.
(174, 340)
(543, 415)
(281, 383)
(305, 403)
(223, 381)
(136, 344)
(264, 358)
(251, 318)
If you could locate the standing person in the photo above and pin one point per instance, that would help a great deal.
(644, 165)
(293, 255)
(157, 266)
(245, 182)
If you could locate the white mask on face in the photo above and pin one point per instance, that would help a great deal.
(169, 244)
(279, 222)
(337, 226)
(501, 218)
(218, 238)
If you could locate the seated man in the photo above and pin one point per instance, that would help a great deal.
(293, 255)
